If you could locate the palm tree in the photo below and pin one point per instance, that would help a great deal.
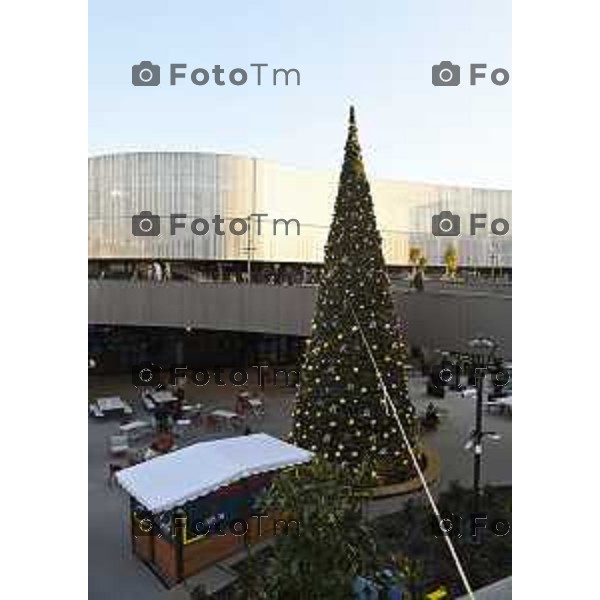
(451, 261)
(414, 255)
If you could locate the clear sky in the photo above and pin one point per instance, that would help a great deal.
(375, 54)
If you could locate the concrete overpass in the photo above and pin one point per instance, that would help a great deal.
(437, 318)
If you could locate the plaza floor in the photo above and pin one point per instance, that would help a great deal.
(114, 574)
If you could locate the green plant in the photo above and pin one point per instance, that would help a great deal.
(451, 260)
(334, 543)
(414, 255)
(409, 535)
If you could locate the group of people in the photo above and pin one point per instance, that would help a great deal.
(260, 273)
(155, 270)
(242, 398)
(215, 271)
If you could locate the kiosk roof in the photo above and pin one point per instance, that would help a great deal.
(173, 479)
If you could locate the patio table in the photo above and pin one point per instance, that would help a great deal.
(134, 426)
(163, 397)
(111, 403)
(506, 403)
(226, 416)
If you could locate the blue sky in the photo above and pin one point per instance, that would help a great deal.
(377, 55)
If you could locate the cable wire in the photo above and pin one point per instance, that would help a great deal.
(390, 406)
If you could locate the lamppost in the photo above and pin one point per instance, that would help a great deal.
(493, 257)
(482, 349)
(500, 260)
(249, 250)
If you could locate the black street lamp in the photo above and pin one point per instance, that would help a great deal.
(483, 349)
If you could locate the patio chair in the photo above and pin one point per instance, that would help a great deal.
(241, 406)
(136, 456)
(505, 405)
(237, 423)
(148, 404)
(95, 412)
(469, 392)
(113, 469)
(182, 427)
(258, 408)
(118, 444)
(141, 433)
(494, 402)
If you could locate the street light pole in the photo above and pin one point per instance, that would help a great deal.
(249, 251)
(250, 248)
(477, 443)
(494, 259)
(483, 348)
(500, 264)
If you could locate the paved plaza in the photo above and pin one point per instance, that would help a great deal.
(114, 574)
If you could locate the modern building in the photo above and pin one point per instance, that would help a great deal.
(201, 184)
(196, 315)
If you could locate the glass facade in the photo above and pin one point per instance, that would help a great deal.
(482, 249)
(203, 185)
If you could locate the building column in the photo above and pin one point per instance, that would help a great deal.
(179, 351)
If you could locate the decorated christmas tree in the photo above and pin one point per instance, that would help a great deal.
(340, 411)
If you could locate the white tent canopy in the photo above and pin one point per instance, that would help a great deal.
(168, 481)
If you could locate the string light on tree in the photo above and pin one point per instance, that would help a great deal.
(342, 376)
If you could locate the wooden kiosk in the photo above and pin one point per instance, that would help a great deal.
(196, 506)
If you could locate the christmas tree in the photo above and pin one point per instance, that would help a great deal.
(340, 411)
